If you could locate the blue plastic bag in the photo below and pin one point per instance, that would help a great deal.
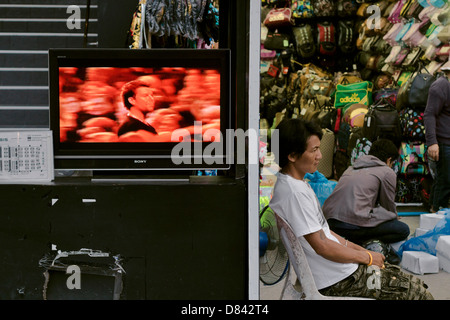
(321, 185)
(427, 242)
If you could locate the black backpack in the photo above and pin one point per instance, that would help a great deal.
(382, 121)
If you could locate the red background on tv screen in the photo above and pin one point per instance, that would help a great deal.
(102, 104)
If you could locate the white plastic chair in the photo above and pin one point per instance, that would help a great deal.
(305, 287)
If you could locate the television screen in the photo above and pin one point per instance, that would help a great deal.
(139, 109)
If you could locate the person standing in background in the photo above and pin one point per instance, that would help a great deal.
(437, 135)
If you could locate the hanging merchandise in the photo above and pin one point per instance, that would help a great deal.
(346, 8)
(327, 116)
(354, 115)
(391, 35)
(361, 148)
(359, 92)
(310, 108)
(444, 16)
(414, 92)
(347, 77)
(413, 36)
(403, 31)
(413, 126)
(327, 145)
(438, 3)
(326, 39)
(409, 188)
(444, 34)
(413, 158)
(304, 40)
(442, 53)
(394, 16)
(279, 18)
(316, 87)
(188, 18)
(388, 94)
(276, 40)
(382, 121)
(403, 78)
(401, 56)
(413, 57)
(302, 9)
(135, 34)
(411, 9)
(324, 8)
(346, 39)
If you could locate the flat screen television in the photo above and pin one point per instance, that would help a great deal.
(139, 110)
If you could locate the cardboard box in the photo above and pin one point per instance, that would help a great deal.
(419, 262)
(429, 220)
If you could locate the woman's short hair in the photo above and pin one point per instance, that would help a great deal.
(384, 149)
(293, 135)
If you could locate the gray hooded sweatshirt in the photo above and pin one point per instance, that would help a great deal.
(364, 195)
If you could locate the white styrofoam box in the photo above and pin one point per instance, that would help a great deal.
(443, 246)
(420, 231)
(444, 262)
(420, 262)
(443, 252)
(429, 220)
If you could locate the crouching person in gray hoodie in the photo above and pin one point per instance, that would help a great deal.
(362, 205)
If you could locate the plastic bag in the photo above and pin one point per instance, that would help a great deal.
(321, 185)
(427, 242)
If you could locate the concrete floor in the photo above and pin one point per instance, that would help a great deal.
(438, 283)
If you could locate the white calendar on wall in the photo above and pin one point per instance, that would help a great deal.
(26, 156)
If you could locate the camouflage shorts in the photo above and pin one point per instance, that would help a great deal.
(389, 283)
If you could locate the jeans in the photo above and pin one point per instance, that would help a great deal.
(442, 183)
(388, 232)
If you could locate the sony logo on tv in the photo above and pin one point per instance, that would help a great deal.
(140, 161)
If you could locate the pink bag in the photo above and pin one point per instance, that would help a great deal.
(390, 36)
(278, 18)
(394, 16)
(413, 36)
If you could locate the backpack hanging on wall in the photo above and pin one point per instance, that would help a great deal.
(346, 39)
(304, 40)
(326, 38)
(413, 158)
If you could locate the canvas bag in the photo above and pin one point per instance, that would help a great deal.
(358, 92)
